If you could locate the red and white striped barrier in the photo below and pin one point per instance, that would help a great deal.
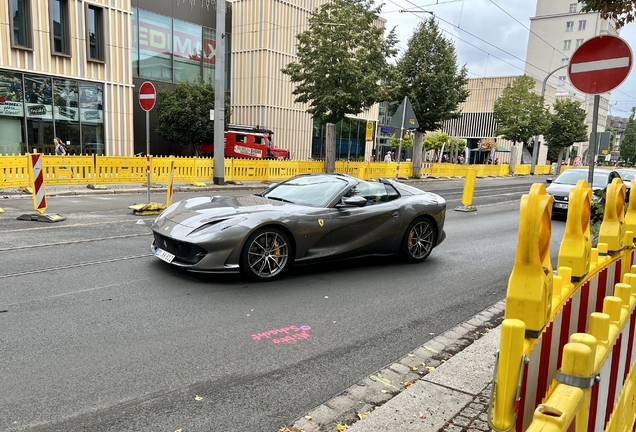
(39, 193)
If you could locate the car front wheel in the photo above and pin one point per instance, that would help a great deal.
(266, 255)
(418, 241)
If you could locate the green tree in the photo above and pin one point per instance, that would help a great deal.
(565, 127)
(406, 142)
(184, 114)
(628, 144)
(342, 60)
(622, 11)
(429, 75)
(519, 111)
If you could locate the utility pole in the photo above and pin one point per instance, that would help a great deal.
(219, 96)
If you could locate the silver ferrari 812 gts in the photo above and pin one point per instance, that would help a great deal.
(307, 218)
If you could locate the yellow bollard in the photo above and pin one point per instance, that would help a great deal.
(170, 187)
(599, 328)
(612, 229)
(529, 295)
(566, 284)
(630, 217)
(583, 416)
(509, 370)
(576, 245)
(469, 190)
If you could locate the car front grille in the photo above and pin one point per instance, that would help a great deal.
(184, 252)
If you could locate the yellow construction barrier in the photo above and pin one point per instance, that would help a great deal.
(576, 246)
(613, 227)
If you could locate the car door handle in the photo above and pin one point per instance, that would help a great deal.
(396, 214)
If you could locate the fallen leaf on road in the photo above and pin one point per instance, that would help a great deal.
(384, 391)
(430, 368)
(342, 427)
(414, 367)
(422, 415)
(431, 334)
(198, 398)
(362, 415)
(326, 296)
(309, 418)
(411, 355)
(179, 430)
(248, 315)
(335, 322)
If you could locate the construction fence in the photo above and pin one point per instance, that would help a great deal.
(89, 169)
(567, 354)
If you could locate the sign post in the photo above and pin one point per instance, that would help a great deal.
(147, 98)
(598, 66)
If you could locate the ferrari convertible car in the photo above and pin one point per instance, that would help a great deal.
(304, 219)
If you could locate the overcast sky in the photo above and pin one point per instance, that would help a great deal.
(502, 23)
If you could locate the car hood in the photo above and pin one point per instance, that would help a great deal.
(562, 189)
(194, 212)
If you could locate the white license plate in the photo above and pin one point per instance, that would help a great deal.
(560, 206)
(162, 254)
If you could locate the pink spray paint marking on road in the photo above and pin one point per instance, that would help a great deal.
(292, 334)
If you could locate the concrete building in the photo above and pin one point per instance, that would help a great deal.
(477, 120)
(264, 42)
(618, 124)
(556, 31)
(65, 71)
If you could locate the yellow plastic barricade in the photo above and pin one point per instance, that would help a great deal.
(613, 226)
(576, 246)
(14, 171)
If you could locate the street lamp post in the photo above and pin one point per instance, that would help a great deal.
(537, 145)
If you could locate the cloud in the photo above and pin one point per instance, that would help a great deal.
(488, 40)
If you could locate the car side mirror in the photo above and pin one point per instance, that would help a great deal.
(356, 201)
(548, 181)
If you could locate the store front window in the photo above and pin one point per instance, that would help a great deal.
(187, 51)
(350, 139)
(92, 117)
(39, 112)
(12, 139)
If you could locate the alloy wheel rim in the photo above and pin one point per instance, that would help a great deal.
(420, 240)
(268, 255)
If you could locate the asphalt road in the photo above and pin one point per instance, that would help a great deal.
(98, 335)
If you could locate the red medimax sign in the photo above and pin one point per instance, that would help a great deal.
(155, 38)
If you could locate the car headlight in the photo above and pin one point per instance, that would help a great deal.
(219, 225)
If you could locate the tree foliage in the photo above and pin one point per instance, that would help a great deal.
(519, 111)
(436, 140)
(628, 144)
(342, 59)
(184, 113)
(406, 142)
(622, 11)
(429, 75)
(567, 125)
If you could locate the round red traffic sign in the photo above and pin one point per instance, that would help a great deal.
(147, 96)
(600, 65)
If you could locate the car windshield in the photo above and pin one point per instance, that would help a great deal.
(572, 177)
(627, 174)
(315, 191)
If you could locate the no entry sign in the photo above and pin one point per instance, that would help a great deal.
(147, 96)
(600, 65)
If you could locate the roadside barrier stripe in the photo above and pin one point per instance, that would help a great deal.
(523, 408)
(630, 345)
(602, 289)
(566, 330)
(591, 423)
(617, 273)
(544, 365)
(38, 182)
(532, 382)
(583, 308)
(555, 348)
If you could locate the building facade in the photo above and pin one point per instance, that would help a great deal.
(556, 31)
(264, 42)
(173, 41)
(477, 120)
(65, 72)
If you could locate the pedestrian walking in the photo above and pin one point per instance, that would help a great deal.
(60, 150)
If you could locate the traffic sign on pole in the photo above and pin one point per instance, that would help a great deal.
(600, 65)
(147, 96)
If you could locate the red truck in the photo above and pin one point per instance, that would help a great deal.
(248, 142)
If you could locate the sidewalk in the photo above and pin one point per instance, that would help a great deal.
(444, 385)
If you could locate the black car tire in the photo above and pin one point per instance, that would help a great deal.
(419, 240)
(266, 255)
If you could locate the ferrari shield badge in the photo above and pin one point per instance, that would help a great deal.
(321, 222)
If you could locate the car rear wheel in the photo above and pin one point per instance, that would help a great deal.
(266, 255)
(418, 241)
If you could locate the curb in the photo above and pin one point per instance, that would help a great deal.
(418, 382)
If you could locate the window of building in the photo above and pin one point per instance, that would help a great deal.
(21, 25)
(95, 28)
(572, 7)
(12, 138)
(187, 51)
(564, 61)
(569, 26)
(579, 42)
(582, 24)
(561, 81)
(92, 118)
(60, 32)
(135, 45)
(567, 44)
(39, 112)
(155, 46)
